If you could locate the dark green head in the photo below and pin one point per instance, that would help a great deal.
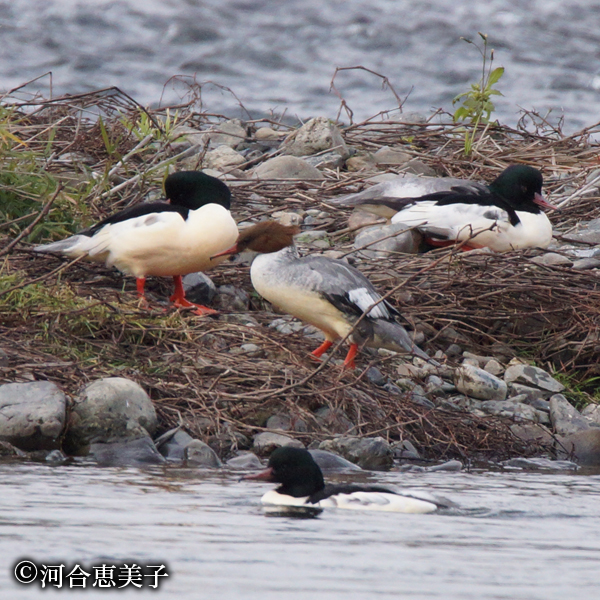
(193, 189)
(296, 471)
(520, 186)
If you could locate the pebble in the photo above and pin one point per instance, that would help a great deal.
(494, 367)
(592, 413)
(540, 463)
(245, 460)
(286, 167)
(583, 446)
(390, 156)
(477, 383)
(514, 410)
(223, 157)
(552, 259)
(138, 451)
(199, 454)
(529, 375)
(380, 244)
(328, 461)
(316, 135)
(584, 264)
(32, 415)
(199, 288)
(405, 449)
(266, 441)
(113, 409)
(566, 419)
(373, 453)
(334, 420)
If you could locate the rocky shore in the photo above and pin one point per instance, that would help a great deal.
(85, 372)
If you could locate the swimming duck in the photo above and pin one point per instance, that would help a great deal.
(166, 238)
(327, 293)
(506, 215)
(302, 484)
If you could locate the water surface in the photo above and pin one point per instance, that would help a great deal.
(517, 535)
(281, 56)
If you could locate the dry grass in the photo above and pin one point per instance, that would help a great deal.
(73, 325)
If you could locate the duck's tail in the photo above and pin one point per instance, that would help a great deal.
(390, 335)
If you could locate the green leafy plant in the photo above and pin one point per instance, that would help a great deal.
(476, 105)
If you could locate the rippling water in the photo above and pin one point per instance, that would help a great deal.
(516, 535)
(281, 55)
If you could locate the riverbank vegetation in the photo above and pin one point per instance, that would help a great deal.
(68, 162)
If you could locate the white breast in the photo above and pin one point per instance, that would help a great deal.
(164, 244)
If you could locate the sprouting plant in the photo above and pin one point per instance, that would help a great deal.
(145, 126)
(476, 105)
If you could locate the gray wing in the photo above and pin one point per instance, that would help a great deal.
(404, 189)
(343, 285)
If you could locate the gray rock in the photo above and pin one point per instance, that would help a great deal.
(540, 463)
(326, 160)
(494, 367)
(532, 394)
(405, 450)
(223, 158)
(232, 298)
(586, 232)
(108, 410)
(229, 133)
(333, 420)
(592, 413)
(286, 167)
(287, 217)
(328, 461)
(266, 441)
(375, 376)
(32, 415)
(136, 452)
(199, 288)
(451, 465)
(552, 259)
(530, 432)
(7, 449)
(310, 236)
(286, 422)
(514, 410)
(389, 156)
(246, 460)
(359, 219)
(566, 419)
(173, 443)
(582, 446)
(421, 400)
(317, 135)
(368, 453)
(228, 441)
(199, 454)
(529, 375)
(383, 239)
(584, 264)
(418, 167)
(480, 384)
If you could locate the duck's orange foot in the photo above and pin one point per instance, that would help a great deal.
(316, 354)
(349, 360)
(199, 308)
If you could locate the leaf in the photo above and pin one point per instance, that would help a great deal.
(495, 76)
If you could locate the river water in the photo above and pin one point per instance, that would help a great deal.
(280, 56)
(516, 535)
